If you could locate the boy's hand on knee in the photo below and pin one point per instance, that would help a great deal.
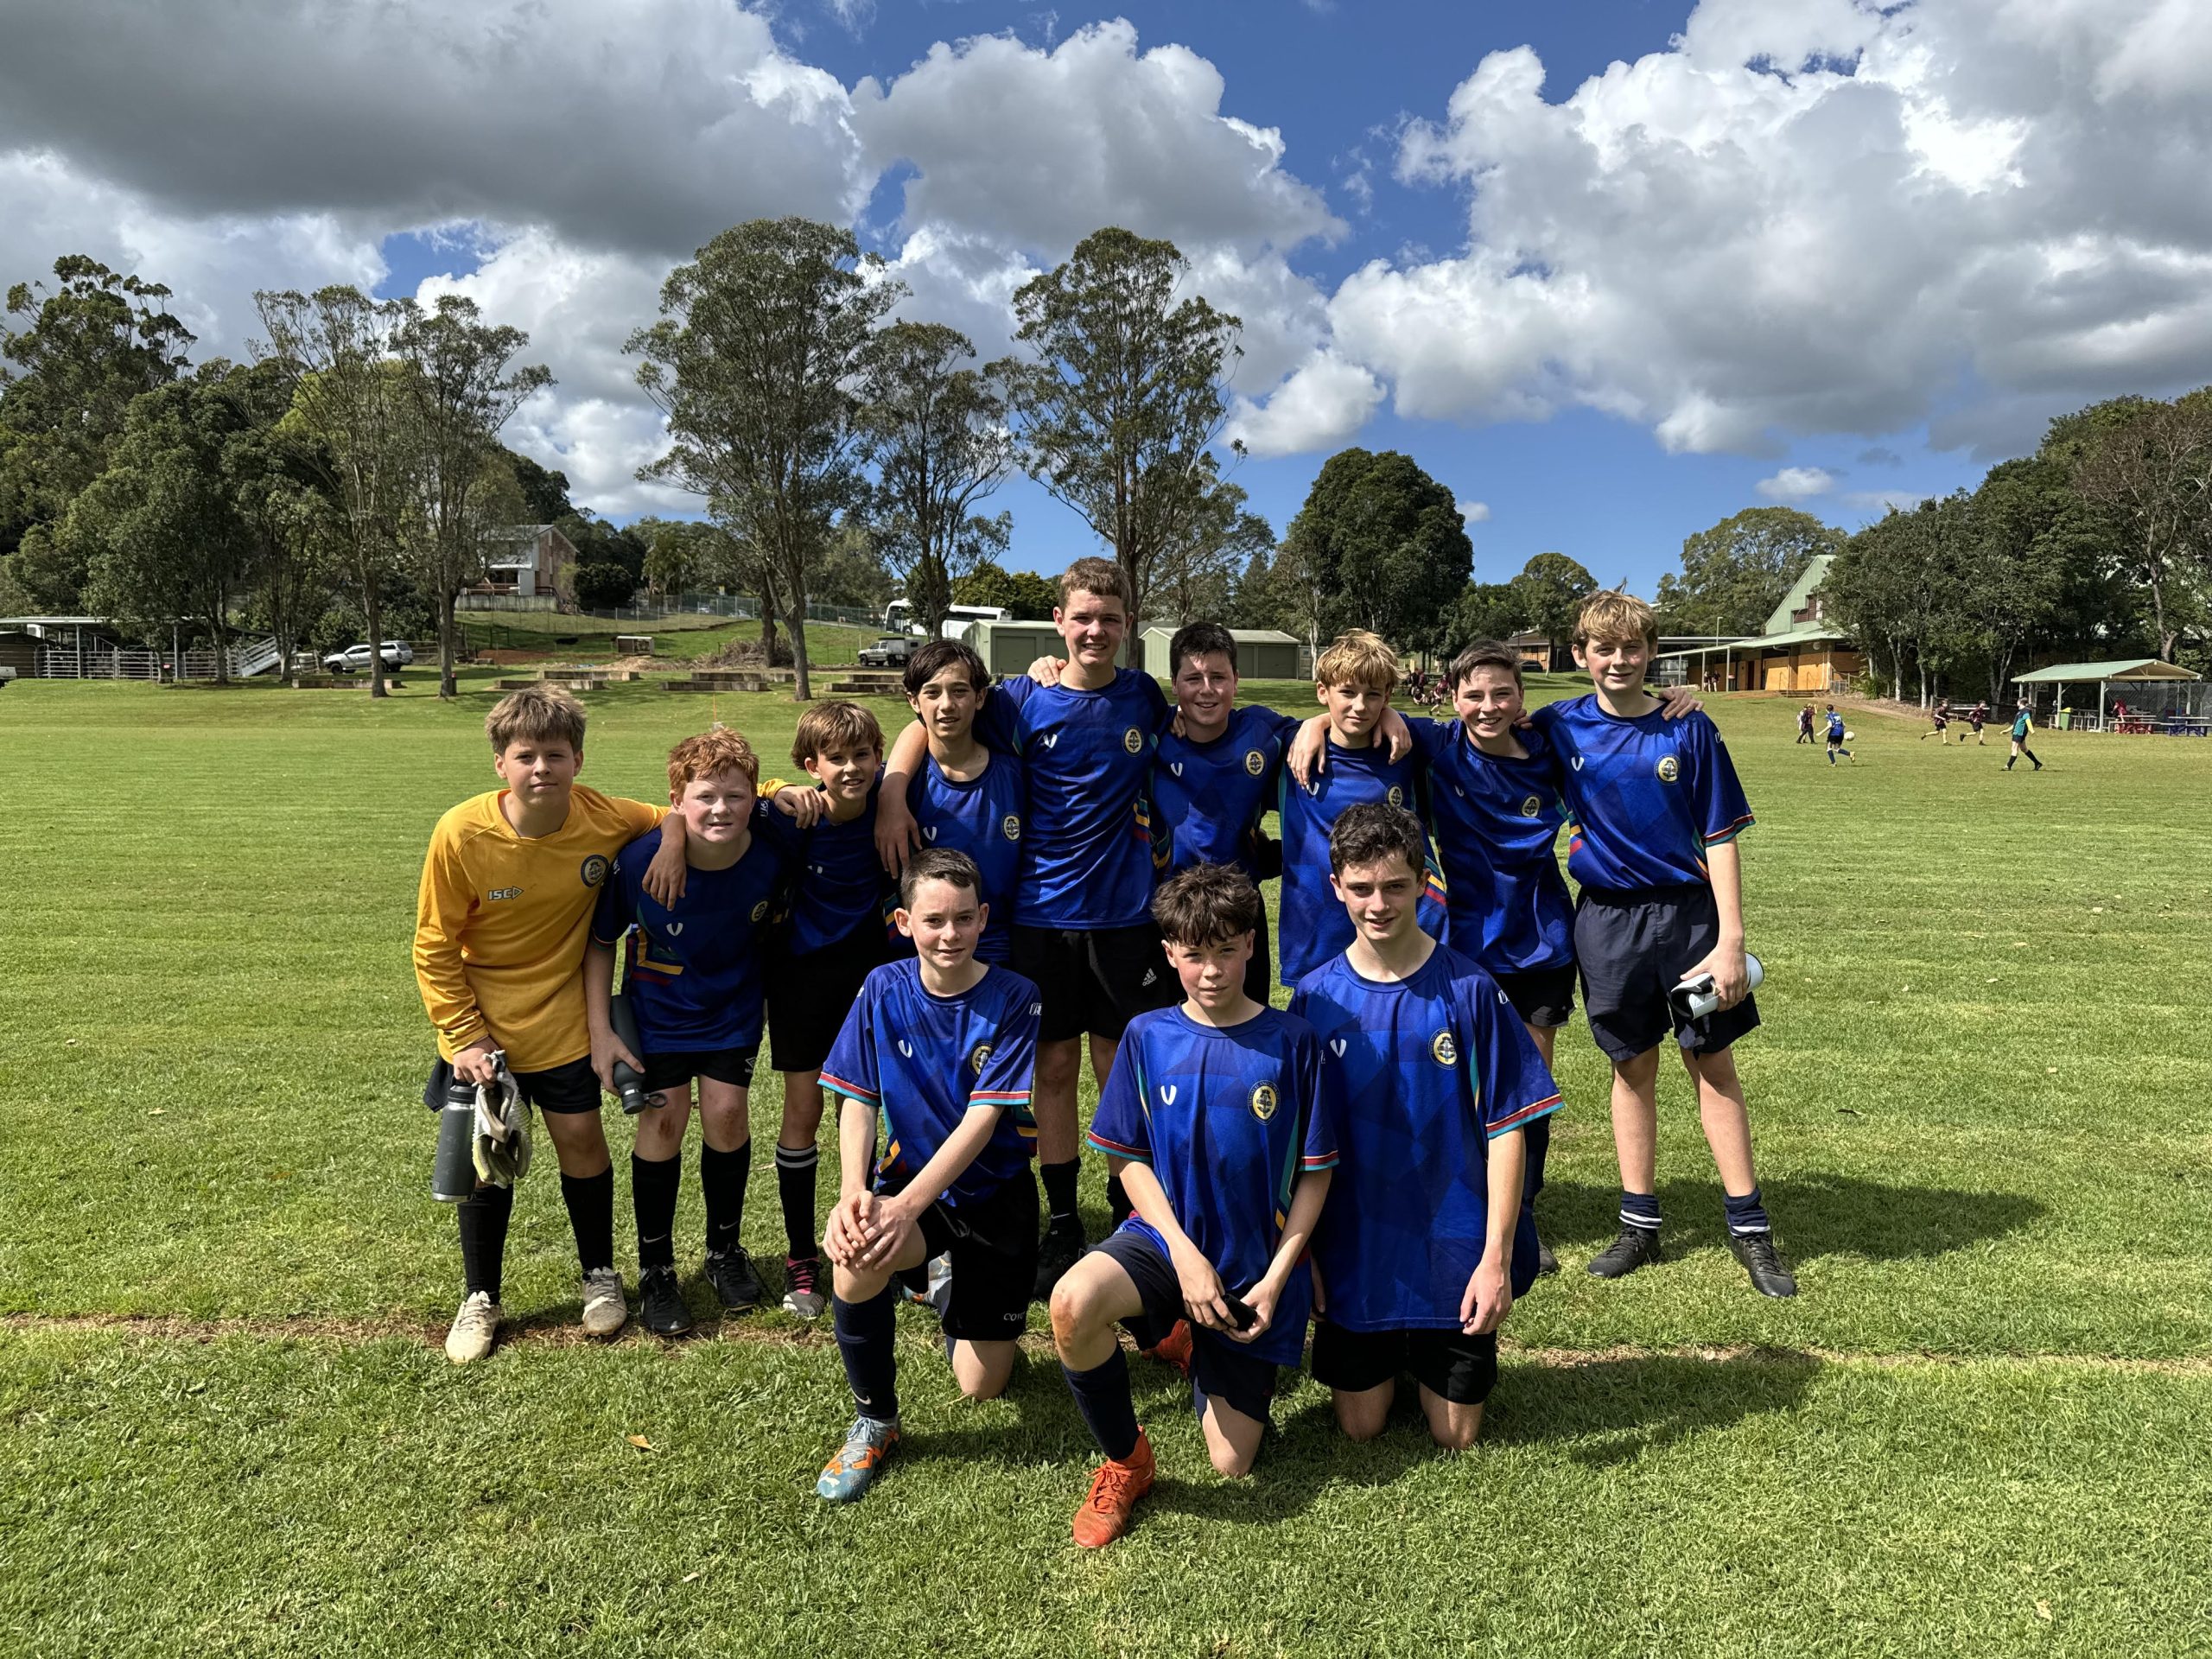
(1489, 1298)
(851, 1227)
(894, 1223)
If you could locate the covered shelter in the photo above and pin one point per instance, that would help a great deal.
(2157, 695)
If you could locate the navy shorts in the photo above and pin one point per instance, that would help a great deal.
(1222, 1370)
(557, 1092)
(1632, 949)
(1541, 996)
(993, 1243)
(810, 996)
(1449, 1364)
(1094, 980)
(1259, 972)
(676, 1069)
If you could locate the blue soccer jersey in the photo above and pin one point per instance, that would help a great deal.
(1208, 798)
(1430, 1070)
(1496, 820)
(922, 1061)
(1086, 840)
(843, 888)
(1227, 1119)
(1313, 926)
(1646, 796)
(692, 972)
(984, 818)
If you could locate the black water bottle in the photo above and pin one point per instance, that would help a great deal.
(629, 1084)
(453, 1175)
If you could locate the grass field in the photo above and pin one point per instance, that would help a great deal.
(679, 638)
(1983, 1106)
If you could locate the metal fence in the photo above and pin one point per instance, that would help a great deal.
(66, 661)
(739, 607)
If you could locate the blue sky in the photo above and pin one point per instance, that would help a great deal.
(1340, 81)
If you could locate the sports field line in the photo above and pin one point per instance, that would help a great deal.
(560, 1330)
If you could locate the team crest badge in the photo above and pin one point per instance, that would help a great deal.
(1669, 768)
(1396, 797)
(1264, 1101)
(975, 1060)
(1010, 826)
(1133, 740)
(1531, 807)
(594, 869)
(1255, 762)
(1443, 1050)
(760, 911)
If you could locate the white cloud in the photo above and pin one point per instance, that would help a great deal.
(1824, 217)
(1474, 512)
(1796, 484)
(1321, 404)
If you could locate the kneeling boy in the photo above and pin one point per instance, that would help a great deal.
(944, 1047)
(1422, 1254)
(1217, 1117)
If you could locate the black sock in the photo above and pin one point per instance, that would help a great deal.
(1117, 1199)
(1059, 1190)
(865, 1340)
(795, 1168)
(654, 1183)
(590, 1200)
(1102, 1395)
(723, 1176)
(1640, 1210)
(1747, 1214)
(483, 1218)
(1535, 1147)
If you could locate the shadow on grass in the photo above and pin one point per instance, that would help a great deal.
(1813, 1216)
(1611, 1411)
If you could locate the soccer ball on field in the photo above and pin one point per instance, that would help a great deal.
(1848, 736)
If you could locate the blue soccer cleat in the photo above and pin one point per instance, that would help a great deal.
(849, 1474)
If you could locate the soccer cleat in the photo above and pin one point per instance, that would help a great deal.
(660, 1303)
(604, 1312)
(1114, 1489)
(1174, 1348)
(1546, 1263)
(474, 1328)
(1755, 1252)
(1056, 1252)
(1634, 1248)
(803, 1293)
(940, 1295)
(730, 1271)
(853, 1470)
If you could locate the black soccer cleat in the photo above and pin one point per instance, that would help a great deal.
(1056, 1253)
(1636, 1246)
(1546, 1263)
(660, 1302)
(736, 1285)
(1755, 1252)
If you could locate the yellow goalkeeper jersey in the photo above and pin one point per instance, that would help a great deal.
(501, 919)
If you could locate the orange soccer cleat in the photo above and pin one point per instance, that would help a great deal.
(1174, 1348)
(1115, 1489)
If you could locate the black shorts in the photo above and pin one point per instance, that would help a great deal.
(676, 1069)
(557, 1092)
(1094, 980)
(1633, 948)
(1449, 1364)
(1222, 1370)
(810, 996)
(1259, 972)
(1541, 996)
(993, 1244)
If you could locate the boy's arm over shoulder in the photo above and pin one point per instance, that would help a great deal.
(616, 908)
(445, 903)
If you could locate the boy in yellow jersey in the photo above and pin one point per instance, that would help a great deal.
(500, 925)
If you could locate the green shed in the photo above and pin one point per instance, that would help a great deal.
(1009, 648)
(1261, 653)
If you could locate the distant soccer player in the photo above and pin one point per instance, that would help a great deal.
(2024, 723)
(1836, 735)
(1940, 715)
(943, 1047)
(839, 930)
(693, 978)
(963, 798)
(1977, 718)
(500, 921)
(1420, 1254)
(1219, 1114)
(1805, 723)
(1085, 934)
(1657, 808)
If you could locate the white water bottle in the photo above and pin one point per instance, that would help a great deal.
(1696, 998)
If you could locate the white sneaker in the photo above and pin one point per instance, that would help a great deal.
(473, 1328)
(604, 1312)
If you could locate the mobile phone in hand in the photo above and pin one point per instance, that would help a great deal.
(1242, 1312)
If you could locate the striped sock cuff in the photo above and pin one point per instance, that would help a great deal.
(798, 1157)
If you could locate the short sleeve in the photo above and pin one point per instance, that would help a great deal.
(850, 1070)
(1160, 708)
(1517, 1086)
(1723, 814)
(1118, 1129)
(1010, 1071)
(998, 716)
(780, 833)
(1432, 739)
(1316, 1090)
(637, 816)
(615, 908)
